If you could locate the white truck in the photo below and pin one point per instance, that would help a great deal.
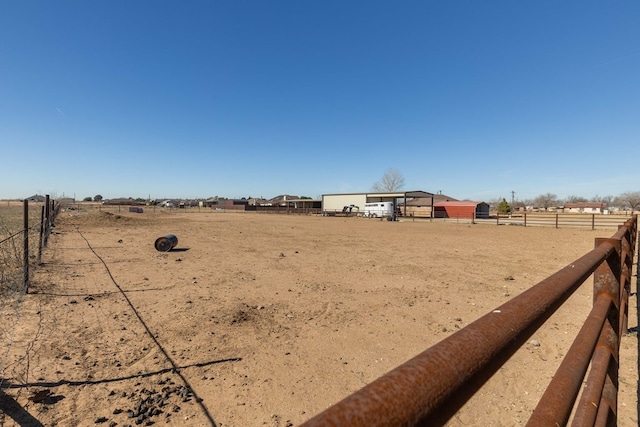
(378, 209)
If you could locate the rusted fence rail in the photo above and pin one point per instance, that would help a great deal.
(430, 388)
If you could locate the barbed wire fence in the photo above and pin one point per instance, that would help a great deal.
(24, 233)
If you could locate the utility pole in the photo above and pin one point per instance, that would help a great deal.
(513, 198)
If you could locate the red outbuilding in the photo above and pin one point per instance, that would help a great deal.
(461, 210)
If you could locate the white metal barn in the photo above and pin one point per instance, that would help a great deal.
(354, 203)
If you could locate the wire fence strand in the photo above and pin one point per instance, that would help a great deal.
(23, 229)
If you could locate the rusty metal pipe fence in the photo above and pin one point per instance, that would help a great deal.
(430, 388)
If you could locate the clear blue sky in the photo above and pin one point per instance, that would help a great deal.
(260, 98)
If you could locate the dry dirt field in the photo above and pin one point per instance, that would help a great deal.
(269, 319)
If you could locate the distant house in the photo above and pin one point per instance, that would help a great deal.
(281, 200)
(123, 201)
(211, 201)
(255, 201)
(461, 210)
(36, 198)
(586, 207)
(543, 209)
(232, 204)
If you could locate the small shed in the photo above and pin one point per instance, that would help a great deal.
(422, 206)
(461, 210)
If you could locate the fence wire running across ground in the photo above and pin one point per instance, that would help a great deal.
(174, 367)
(24, 230)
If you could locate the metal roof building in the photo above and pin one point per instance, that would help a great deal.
(461, 209)
(333, 203)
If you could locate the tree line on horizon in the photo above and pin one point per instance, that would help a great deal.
(626, 201)
(392, 180)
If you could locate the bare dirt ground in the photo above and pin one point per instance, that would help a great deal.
(269, 319)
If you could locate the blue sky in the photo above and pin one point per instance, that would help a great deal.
(261, 98)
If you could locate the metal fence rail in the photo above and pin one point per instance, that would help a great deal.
(526, 219)
(558, 220)
(430, 388)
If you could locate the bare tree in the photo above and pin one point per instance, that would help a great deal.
(629, 200)
(602, 199)
(391, 181)
(545, 201)
(493, 203)
(575, 199)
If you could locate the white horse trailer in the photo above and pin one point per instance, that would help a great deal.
(378, 209)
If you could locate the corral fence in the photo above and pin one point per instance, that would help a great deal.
(558, 220)
(526, 219)
(21, 246)
(86, 207)
(430, 388)
(287, 210)
(24, 232)
(532, 219)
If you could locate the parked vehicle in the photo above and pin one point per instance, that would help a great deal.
(378, 209)
(347, 210)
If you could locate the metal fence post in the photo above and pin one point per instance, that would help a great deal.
(25, 252)
(599, 399)
(41, 235)
(47, 216)
(626, 260)
(606, 278)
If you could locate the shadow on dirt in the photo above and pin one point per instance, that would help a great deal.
(17, 413)
(7, 385)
